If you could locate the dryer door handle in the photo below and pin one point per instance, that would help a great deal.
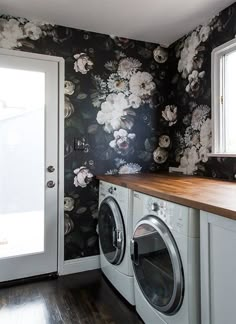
(117, 238)
(134, 252)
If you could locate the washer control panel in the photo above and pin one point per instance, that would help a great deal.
(109, 189)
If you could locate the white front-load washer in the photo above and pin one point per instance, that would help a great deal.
(165, 255)
(115, 225)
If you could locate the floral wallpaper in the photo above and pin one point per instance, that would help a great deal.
(116, 117)
(190, 97)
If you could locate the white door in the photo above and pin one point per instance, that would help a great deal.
(28, 166)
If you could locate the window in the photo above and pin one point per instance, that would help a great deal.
(224, 99)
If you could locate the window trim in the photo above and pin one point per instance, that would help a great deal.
(217, 92)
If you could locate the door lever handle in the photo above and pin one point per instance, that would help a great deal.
(50, 184)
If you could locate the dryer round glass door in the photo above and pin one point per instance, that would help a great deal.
(111, 231)
(157, 265)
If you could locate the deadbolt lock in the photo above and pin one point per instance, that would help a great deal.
(51, 168)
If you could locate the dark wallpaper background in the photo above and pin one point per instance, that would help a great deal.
(135, 106)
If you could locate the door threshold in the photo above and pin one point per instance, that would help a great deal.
(22, 281)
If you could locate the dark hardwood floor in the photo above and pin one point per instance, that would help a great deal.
(85, 298)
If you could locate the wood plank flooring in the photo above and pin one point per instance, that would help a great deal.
(85, 298)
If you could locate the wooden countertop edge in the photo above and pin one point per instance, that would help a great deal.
(224, 212)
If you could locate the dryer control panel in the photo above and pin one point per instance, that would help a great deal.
(170, 213)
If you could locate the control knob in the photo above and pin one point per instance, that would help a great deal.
(154, 207)
(110, 190)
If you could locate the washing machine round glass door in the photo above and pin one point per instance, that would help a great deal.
(157, 265)
(111, 230)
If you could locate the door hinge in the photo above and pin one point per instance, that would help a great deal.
(221, 100)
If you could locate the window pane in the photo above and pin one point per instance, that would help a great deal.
(22, 102)
(230, 102)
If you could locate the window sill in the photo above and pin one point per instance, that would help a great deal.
(221, 155)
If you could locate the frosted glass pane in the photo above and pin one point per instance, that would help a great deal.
(230, 101)
(22, 106)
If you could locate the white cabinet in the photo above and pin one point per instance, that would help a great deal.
(218, 269)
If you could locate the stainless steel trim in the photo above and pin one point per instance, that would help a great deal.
(177, 296)
(119, 230)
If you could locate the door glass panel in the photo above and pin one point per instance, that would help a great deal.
(153, 271)
(107, 228)
(22, 160)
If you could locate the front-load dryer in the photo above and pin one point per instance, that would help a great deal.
(165, 257)
(115, 227)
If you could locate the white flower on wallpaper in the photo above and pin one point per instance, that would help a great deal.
(14, 31)
(164, 141)
(127, 89)
(206, 134)
(116, 84)
(197, 139)
(141, 84)
(135, 101)
(124, 168)
(83, 63)
(114, 112)
(187, 61)
(68, 108)
(194, 82)
(204, 33)
(83, 177)
(199, 115)
(111, 172)
(32, 31)
(160, 155)
(69, 203)
(128, 66)
(190, 159)
(69, 88)
(192, 137)
(10, 33)
(130, 168)
(203, 154)
(122, 142)
(160, 54)
(170, 114)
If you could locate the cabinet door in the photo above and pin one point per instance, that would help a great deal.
(218, 269)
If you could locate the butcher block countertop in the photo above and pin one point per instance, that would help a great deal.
(214, 196)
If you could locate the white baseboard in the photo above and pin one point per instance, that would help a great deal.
(80, 265)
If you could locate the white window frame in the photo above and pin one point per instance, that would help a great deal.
(217, 99)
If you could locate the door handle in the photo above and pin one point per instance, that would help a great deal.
(134, 252)
(114, 237)
(50, 184)
(117, 238)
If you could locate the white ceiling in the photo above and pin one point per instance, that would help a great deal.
(158, 21)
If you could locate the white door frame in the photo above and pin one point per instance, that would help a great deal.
(61, 78)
